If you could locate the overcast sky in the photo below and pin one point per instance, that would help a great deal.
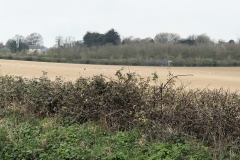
(219, 19)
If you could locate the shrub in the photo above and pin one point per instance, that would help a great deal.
(210, 116)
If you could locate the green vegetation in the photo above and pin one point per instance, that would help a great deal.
(137, 54)
(127, 118)
(149, 54)
(109, 49)
(54, 138)
(97, 39)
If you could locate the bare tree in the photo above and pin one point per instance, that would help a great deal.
(78, 43)
(166, 37)
(128, 40)
(131, 40)
(19, 39)
(59, 41)
(147, 40)
(192, 37)
(221, 42)
(1, 45)
(34, 39)
(238, 39)
(203, 39)
(69, 41)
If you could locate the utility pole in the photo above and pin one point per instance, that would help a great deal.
(238, 38)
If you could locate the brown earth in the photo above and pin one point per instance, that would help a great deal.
(210, 77)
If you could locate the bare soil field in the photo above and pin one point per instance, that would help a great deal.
(227, 78)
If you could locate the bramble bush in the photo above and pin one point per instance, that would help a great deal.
(128, 102)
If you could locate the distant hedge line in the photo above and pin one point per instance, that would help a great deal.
(142, 54)
(130, 62)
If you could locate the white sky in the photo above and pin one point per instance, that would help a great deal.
(219, 19)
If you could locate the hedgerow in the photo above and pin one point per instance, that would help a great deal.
(128, 102)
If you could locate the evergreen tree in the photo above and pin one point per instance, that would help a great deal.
(93, 39)
(22, 46)
(15, 46)
(112, 37)
(97, 39)
(12, 45)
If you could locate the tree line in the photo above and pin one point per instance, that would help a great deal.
(110, 48)
(112, 37)
(19, 43)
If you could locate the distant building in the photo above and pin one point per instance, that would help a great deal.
(165, 62)
(44, 49)
(37, 48)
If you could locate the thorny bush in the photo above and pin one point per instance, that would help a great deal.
(212, 116)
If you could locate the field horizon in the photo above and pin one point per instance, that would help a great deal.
(227, 78)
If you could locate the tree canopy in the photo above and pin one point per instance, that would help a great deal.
(98, 39)
(112, 37)
(166, 37)
(132, 40)
(17, 43)
(93, 39)
(203, 39)
(1, 45)
(34, 39)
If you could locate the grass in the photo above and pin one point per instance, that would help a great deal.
(54, 138)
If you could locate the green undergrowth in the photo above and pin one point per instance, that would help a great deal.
(54, 138)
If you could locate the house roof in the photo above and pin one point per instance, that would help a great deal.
(44, 48)
(34, 47)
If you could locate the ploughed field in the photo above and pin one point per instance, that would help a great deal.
(210, 77)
